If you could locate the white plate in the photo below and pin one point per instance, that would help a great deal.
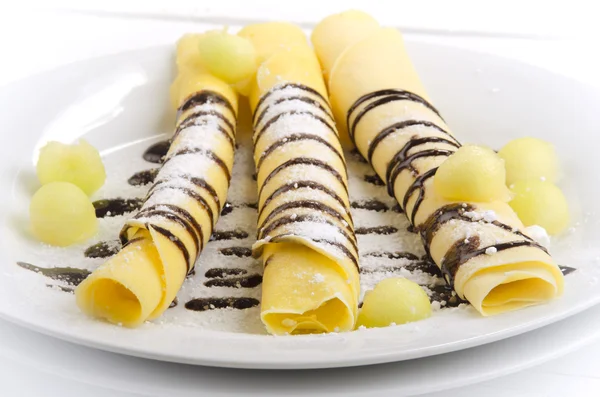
(120, 99)
(57, 365)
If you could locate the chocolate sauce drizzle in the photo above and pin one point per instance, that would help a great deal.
(116, 206)
(265, 127)
(302, 98)
(300, 185)
(282, 87)
(406, 124)
(376, 230)
(156, 152)
(217, 272)
(249, 281)
(103, 249)
(303, 161)
(374, 180)
(240, 252)
(204, 304)
(298, 138)
(285, 220)
(70, 275)
(370, 205)
(403, 161)
(204, 152)
(385, 96)
(566, 270)
(227, 209)
(310, 204)
(143, 178)
(203, 97)
(228, 235)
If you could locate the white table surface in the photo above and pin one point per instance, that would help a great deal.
(34, 39)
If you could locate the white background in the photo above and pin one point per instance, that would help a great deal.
(560, 36)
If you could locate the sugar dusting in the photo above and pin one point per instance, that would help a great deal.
(122, 164)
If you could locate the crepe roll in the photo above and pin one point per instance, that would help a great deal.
(377, 97)
(163, 240)
(306, 237)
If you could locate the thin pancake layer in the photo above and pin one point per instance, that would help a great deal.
(377, 96)
(305, 232)
(164, 239)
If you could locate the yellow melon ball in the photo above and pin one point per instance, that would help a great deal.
(394, 300)
(62, 214)
(229, 57)
(187, 53)
(528, 158)
(79, 163)
(473, 173)
(540, 203)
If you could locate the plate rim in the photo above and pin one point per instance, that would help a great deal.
(272, 362)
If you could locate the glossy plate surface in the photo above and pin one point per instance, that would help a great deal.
(121, 99)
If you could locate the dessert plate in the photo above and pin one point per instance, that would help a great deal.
(119, 104)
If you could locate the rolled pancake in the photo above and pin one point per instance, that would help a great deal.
(378, 98)
(163, 240)
(306, 237)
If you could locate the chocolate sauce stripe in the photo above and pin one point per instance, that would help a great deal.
(299, 185)
(190, 193)
(195, 123)
(203, 304)
(198, 182)
(370, 205)
(303, 161)
(288, 85)
(197, 239)
(240, 252)
(193, 117)
(418, 184)
(376, 230)
(396, 127)
(175, 240)
(394, 255)
(340, 246)
(297, 138)
(157, 210)
(205, 152)
(202, 98)
(462, 252)
(259, 132)
(310, 204)
(220, 272)
(456, 211)
(302, 98)
(400, 162)
(304, 218)
(389, 95)
(245, 281)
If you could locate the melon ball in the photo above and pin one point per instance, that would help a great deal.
(472, 173)
(78, 163)
(229, 57)
(394, 300)
(187, 53)
(62, 214)
(528, 158)
(540, 203)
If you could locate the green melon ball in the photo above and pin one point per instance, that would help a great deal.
(530, 158)
(540, 203)
(229, 57)
(62, 214)
(78, 163)
(394, 300)
(472, 173)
